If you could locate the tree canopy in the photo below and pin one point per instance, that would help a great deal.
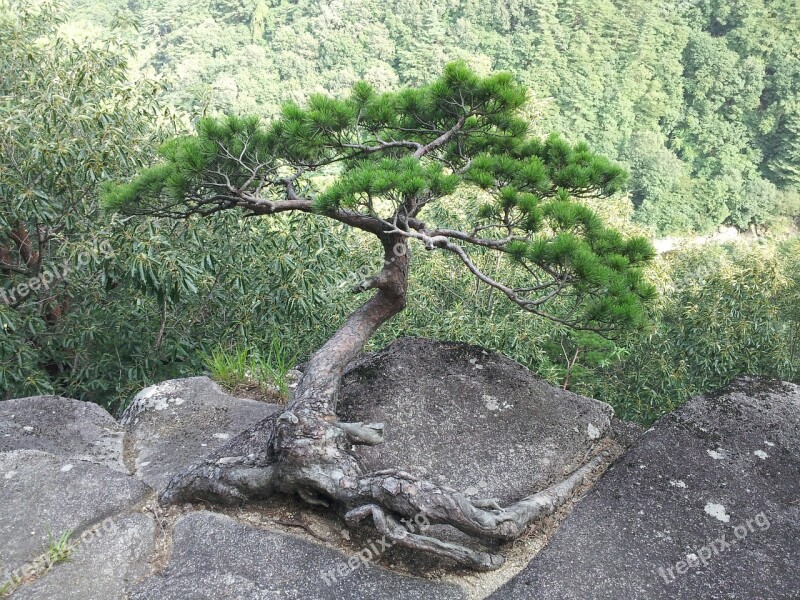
(382, 162)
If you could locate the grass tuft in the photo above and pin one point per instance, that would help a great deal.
(60, 548)
(250, 373)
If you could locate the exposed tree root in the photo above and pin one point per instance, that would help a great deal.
(398, 534)
(310, 456)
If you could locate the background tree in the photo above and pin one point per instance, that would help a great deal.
(69, 118)
(115, 306)
(723, 311)
(715, 82)
(389, 162)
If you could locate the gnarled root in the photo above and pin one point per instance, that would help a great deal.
(400, 534)
(309, 455)
(408, 496)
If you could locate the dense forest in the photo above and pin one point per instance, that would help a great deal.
(698, 101)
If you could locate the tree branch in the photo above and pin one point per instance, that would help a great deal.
(257, 206)
(442, 139)
(382, 146)
(442, 242)
(13, 269)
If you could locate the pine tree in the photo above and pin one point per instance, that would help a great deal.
(391, 159)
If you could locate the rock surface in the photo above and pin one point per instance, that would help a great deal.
(215, 557)
(176, 423)
(475, 421)
(102, 566)
(64, 427)
(705, 505)
(42, 496)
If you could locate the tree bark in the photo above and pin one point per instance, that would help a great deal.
(318, 389)
(306, 450)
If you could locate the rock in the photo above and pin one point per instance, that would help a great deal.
(705, 505)
(43, 496)
(469, 419)
(103, 565)
(64, 427)
(216, 558)
(625, 432)
(176, 423)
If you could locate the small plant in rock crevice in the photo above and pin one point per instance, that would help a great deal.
(245, 372)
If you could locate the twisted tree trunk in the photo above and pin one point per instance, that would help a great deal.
(306, 450)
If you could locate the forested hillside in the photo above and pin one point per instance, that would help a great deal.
(699, 100)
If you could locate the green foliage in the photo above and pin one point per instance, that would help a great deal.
(398, 154)
(244, 371)
(578, 356)
(127, 301)
(699, 103)
(69, 118)
(724, 312)
(60, 548)
(712, 86)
